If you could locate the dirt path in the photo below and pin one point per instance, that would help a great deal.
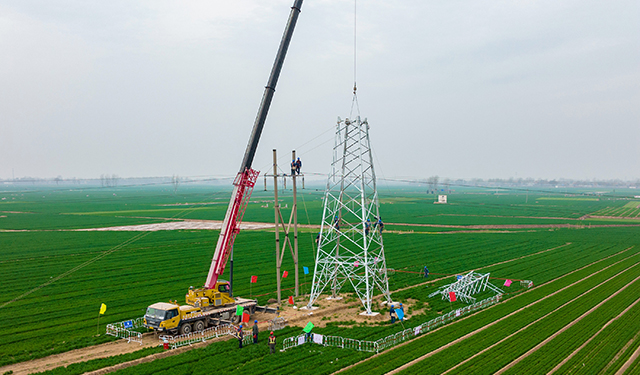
(557, 367)
(338, 310)
(629, 362)
(620, 353)
(543, 343)
(479, 330)
(79, 355)
(471, 334)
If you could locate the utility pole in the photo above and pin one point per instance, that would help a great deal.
(294, 213)
(276, 207)
(279, 221)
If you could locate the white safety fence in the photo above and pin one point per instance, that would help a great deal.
(391, 340)
(207, 334)
(125, 329)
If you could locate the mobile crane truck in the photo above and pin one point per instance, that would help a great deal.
(213, 303)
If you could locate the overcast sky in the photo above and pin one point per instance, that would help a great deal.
(459, 89)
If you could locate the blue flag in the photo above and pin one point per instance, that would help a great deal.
(400, 314)
(128, 324)
(306, 270)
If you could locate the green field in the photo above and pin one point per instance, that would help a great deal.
(629, 210)
(55, 278)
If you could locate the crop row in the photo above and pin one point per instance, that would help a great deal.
(611, 348)
(507, 351)
(548, 356)
(396, 357)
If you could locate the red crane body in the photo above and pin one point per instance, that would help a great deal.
(246, 178)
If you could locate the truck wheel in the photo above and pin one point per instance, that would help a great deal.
(235, 319)
(185, 328)
(198, 326)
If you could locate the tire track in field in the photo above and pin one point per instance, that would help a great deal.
(536, 321)
(591, 338)
(629, 362)
(548, 339)
(469, 316)
(620, 353)
(471, 334)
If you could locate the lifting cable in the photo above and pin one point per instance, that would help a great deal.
(354, 102)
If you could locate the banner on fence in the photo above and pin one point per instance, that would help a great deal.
(317, 338)
(300, 340)
(128, 324)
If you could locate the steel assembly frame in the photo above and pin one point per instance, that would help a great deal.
(350, 246)
(466, 286)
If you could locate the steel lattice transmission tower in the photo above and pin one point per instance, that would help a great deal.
(350, 245)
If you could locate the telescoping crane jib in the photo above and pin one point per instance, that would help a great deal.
(246, 178)
(213, 304)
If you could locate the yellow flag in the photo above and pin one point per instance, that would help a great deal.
(103, 308)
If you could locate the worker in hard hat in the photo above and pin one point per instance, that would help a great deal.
(255, 331)
(298, 165)
(240, 336)
(272, 343)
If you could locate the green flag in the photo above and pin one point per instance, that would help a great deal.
(308, 327)
(239, 310)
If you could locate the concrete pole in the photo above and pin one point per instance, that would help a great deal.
(295, 225)
(276, 208)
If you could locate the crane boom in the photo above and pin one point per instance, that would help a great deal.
(246, 178)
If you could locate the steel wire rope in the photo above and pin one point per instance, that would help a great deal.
(115, 187)
(90, 261)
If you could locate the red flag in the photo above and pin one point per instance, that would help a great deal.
(285, 274)
(245, 317)
(254, 279)
(452, 296)
(290, 299)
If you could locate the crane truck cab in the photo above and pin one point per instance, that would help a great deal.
(204, 308)
(163, 316)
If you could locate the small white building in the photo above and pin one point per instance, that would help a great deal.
(441, 199)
